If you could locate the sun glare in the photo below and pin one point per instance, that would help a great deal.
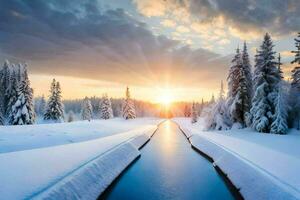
(165, 97)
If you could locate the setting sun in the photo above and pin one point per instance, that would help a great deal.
(165, 97)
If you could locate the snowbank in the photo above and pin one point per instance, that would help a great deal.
(17, 138)
(78, 170)
(262, 166)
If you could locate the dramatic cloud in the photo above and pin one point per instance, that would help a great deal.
(254, 16)
(77, 38)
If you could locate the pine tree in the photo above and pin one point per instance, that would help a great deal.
(54, 110)
(71, 116)
(42, 105)
(22, 112)
(295, 86)
(3, 85)
(187, 111)
(194, 114)
(218, 118)
(87, 110)
(128, 107)
(239, 89)
(212, 100)
(266, 79)
(105, 108)
(279, 125)
(279, 63)
(12, 90)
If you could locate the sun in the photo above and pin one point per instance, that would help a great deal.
(165, 97)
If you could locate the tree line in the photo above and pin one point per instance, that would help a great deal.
(261, 99)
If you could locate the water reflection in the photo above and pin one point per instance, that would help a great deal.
(169, 169)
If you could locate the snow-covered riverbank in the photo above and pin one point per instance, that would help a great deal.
(262, 166)
(76, 170)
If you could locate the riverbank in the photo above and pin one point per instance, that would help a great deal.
(258, 165)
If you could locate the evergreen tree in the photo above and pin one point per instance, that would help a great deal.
(71, 116)
(106, 110)
(12, 90)
(248, 73)
(239, 88)
(54, 110)
(266, 79)
(4, 83)
(42, 105)
(279, 125)
(279, 63)
(87, 110)
(22, 112)
(212, 100)
(194, 114)
(218, 118)
(128, 107)
(295, 87)
(187, 111)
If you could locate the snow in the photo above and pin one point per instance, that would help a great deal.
(263, 166)
(67, 171)
(17, 138)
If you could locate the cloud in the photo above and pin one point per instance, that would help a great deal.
(151, 8)
(168, 23)
(78, 39)
(246, 18)
(182, 29)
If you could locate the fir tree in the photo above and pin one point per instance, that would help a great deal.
(87, 110)
(295, 87)
(266, 79)
(71, 116)
(4, 83)
(194, 114)
(187, 111)
(106, 110)
(239, 88)
(279, 125)
(22, 112)
(279, 63)
(12, 90)
(54, 110)
(128, 107)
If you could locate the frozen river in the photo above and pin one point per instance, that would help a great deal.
(169, 169)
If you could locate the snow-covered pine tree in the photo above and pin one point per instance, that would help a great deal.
(105, 108)
(4, 84)
(187, 111)
(12, 90)
(22, 112)
(128, 107)
(54, 110)
(194, 114)
(279, 125)
(239, 89)
(212, 100)
(279, 63)
(42, 105)
(87, 110)
(71, 116)
(266, 79)
(295, 87)
(218, 118)
(248, 72)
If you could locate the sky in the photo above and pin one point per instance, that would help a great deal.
(179, 49)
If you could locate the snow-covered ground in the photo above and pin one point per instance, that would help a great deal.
(17, 138)
(72, 160)
(271, 162)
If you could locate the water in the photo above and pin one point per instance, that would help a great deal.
(169, 169)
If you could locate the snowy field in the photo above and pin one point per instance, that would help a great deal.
(17, 138)
(69, 160)
(274, 158)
